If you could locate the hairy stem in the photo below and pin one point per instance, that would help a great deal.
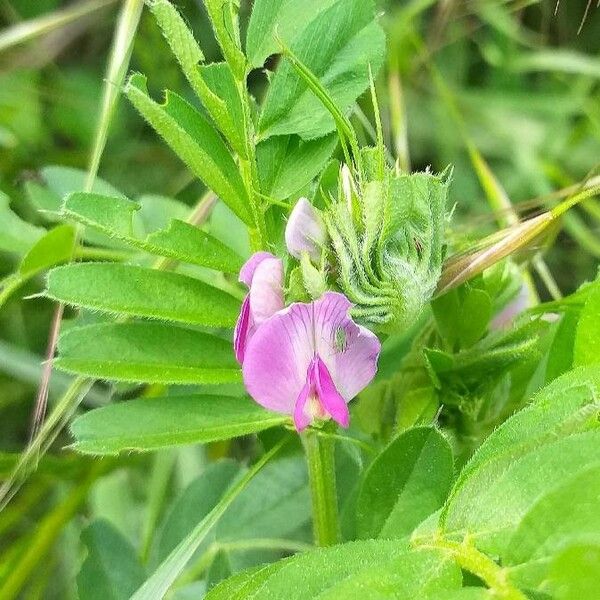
(321, 475)
(481, 565)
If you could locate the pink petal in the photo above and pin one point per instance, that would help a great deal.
(281, 350)
(250, 266)
(330, 398)
(266, 290)
(240, 333)
(305, 231)
(301, 416)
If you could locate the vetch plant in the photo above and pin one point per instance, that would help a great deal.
(318, 387)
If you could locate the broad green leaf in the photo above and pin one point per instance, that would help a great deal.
(551, 440)
(286, 163)
(339, 56)
(242, 585)
(181, 241)
(196, 501)
(281, 16)
(111, 570)
(147, 352)
(153, 423)
(565, 515)
(368, 570)
(136, 291)
(586, 349)
(407, 482)
(53, 248)
(574, 573)
(195, 141)
(16, 235)
(207, 84)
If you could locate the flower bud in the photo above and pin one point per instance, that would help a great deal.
(389, 253)
(305, 231)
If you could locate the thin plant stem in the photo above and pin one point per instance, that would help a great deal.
(319, 451)
(33, 28)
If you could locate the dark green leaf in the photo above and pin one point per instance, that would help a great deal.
(196, 501)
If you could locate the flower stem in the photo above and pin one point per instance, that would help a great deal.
(321, 475)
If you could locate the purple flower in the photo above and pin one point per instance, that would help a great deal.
(310, 360)
(305, 231)
(263, 274)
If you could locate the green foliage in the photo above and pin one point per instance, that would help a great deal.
(135, 352)
(339, 58)
(111, 570)
(287, 164)
(586, 349)
(152, 423)
(405, 483)
(17, 235)
(195, 141)
(181, 241)
(136, 291)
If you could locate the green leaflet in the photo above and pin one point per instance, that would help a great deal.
(195, 141)
(111, 570)
(551, 440)
(586, 350)
(181, 241)
(217, 99)
(54, 247)
(565, 515)
(152, 423)
(136, 291)
(286, 163)
(16, 235)
(338, 56)
(136, 352)
(574, 573)
(406, 482)
(281, 16)
(354, 571)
